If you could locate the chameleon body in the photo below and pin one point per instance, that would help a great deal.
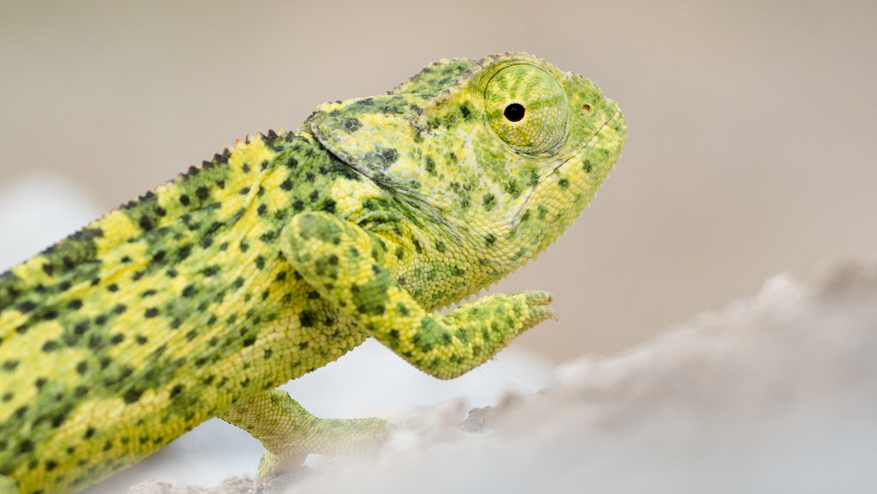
(285, 252)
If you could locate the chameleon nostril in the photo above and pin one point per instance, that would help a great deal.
(586, 108)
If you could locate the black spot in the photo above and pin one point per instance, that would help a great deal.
(286, 185)
(82, 367)
(26, 446)
(260, 262)
(202, 193)
(50, 346)
(10, 365)
(50, 315)
(113, 288)
(117, 338)
(120, 308)
(307, 318)
(588, 166)
(513, 188)
(26, 306)
(465, 111)
(50, 465)
(145, 223)
(489, 239)
(210, 270)
(132, 395)
(151, 312)
(489, 201)
(402, 310)
(350, 124)
(177, 389)
(141, 340)
(514, 112)
(191, 335)
(75, 304)
(48, 269)
(40, 382)
(389, 156)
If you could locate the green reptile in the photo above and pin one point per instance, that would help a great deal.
(285, 252)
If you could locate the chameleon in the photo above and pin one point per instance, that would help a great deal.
(286, 251)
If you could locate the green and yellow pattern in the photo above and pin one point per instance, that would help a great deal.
(285, 252)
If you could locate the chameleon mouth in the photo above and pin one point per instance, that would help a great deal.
(615, 115)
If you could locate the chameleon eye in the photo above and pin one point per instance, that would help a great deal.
(514, 112)
(527, 108)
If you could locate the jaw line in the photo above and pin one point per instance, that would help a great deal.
(514, 222)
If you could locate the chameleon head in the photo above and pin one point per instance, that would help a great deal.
(506, 151)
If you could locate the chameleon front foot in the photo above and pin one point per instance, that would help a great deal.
(344, 263)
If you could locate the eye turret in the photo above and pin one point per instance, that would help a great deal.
(527, 108)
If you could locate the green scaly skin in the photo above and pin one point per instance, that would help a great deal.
(285, 252)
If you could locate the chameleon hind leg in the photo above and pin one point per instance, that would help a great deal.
(343, 262)
(289, 432)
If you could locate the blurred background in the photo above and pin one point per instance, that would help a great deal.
(751, 151)
(751, 148)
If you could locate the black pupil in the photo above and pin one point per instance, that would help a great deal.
(514, 112)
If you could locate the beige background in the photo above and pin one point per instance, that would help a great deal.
(752, 124)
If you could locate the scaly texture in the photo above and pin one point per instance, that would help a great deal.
(284, 253)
